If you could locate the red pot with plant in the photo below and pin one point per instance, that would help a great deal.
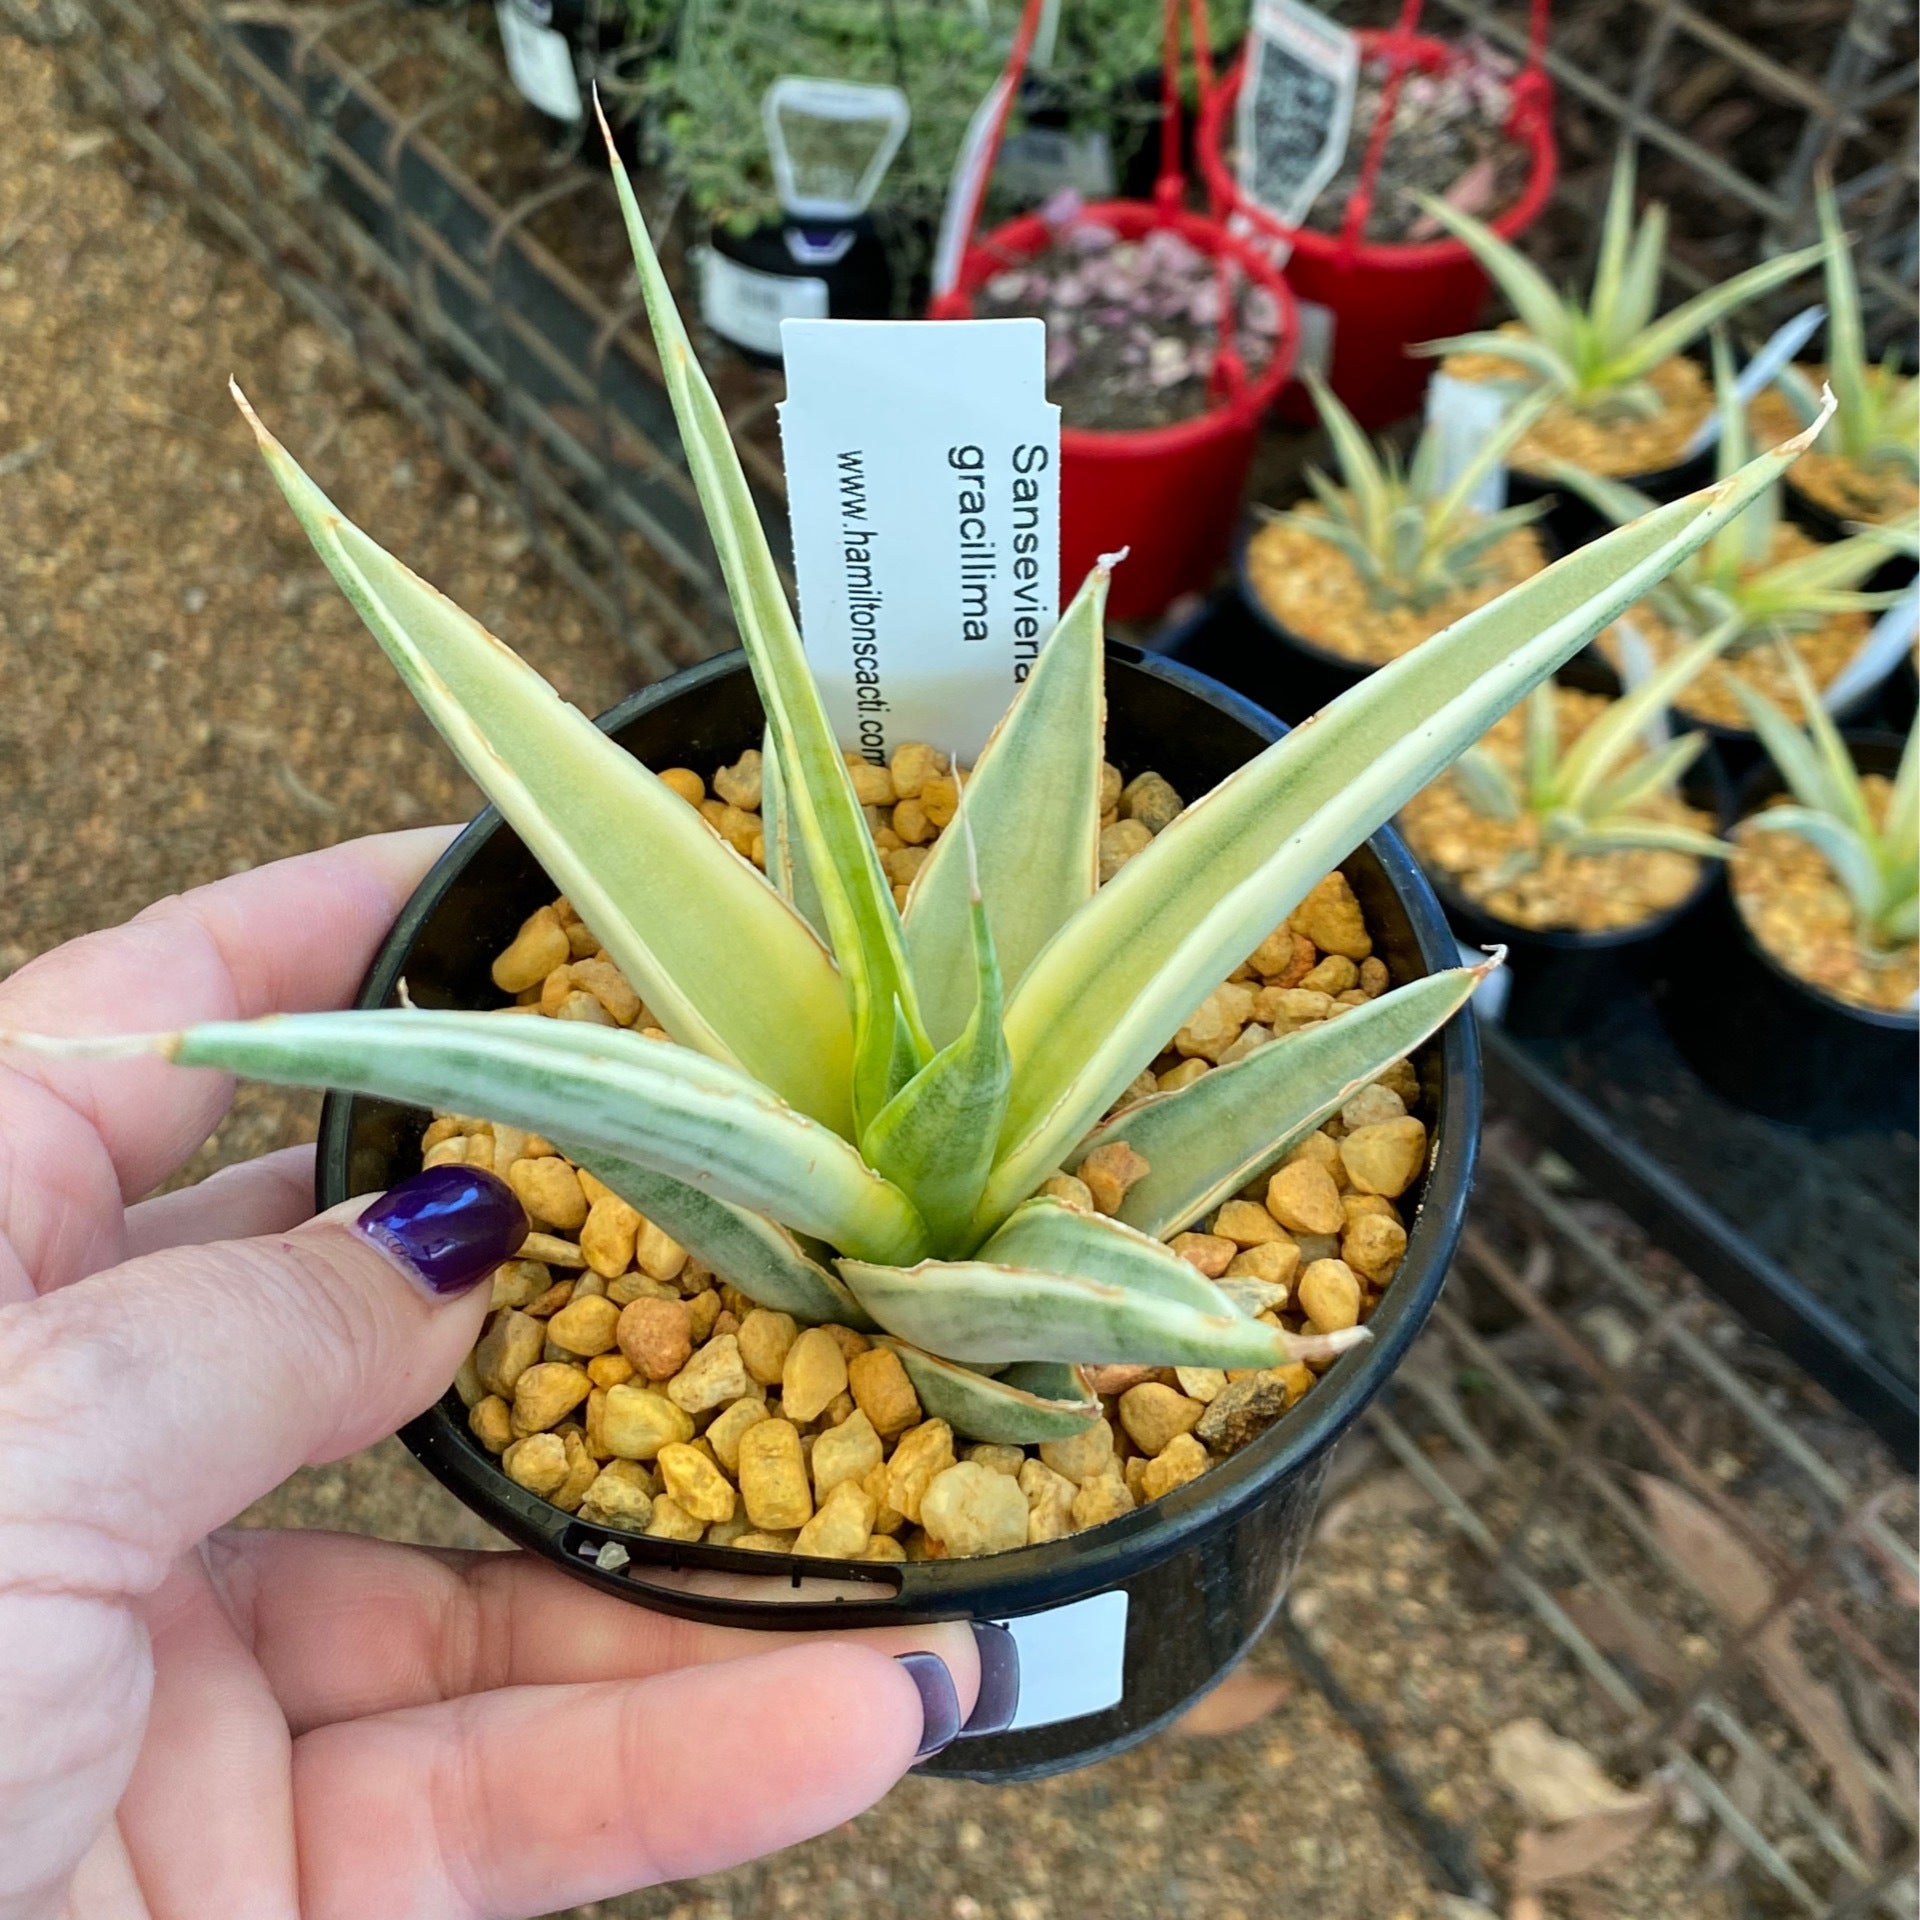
(1168, 340)
(1362, 255)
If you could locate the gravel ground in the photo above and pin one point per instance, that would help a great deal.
(186, 697)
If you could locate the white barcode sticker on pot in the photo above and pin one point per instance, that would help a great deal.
(746, 306)
(1073, 1660)
(539, 59)
(923, 464)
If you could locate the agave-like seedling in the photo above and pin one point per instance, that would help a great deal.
(1596, 356)
(1591, 796)
(1877, 421)
(1877, 862)
(1411, 538)
(864, 1144)
(1733, 577)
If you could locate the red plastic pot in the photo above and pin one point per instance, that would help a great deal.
(1382, 298)
(1171, 495)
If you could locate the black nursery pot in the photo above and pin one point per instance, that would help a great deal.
(1893, 573)
(1768, 1041)
(796, 267)
(1179, 1588)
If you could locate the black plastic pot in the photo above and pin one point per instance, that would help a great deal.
(1198, 1573)
(1893, 573)
(845, 260)
(1768, 1041)
(1562, 983)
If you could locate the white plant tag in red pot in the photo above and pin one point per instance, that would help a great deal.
(923, 464)
(1296, 106)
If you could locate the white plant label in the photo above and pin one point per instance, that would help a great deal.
(1296, 106)
(923, 471)
(1464, 415)
(1038, 162)
(539, 59)
(1637, 666)
(831, 143)
(1775, 352)
(1073, 1660)
(746, 306)
(1314, 354)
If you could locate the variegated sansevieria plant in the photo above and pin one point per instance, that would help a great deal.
(1596, 355)
(1732, 585)
(1592, 796)
(864, 1144)
(1411, 536)
(1875, 859)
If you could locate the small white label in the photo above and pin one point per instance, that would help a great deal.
(1464, 415)
(539, 59)
(1315, 351)
(1296, 106)
(831, 142)
(746, 306)
(1038, 162)
(923, 464)
(1073, 1660)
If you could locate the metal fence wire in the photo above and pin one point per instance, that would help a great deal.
(1751, 1628)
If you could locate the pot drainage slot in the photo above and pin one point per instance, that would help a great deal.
(721, 1573)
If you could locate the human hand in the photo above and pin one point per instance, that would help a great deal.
(211, 1723)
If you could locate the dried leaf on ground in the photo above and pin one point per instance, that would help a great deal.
(1731, 1576)
(1238, 1701)
(1626, 1637)
(1556, 1779)
(1543, 1858)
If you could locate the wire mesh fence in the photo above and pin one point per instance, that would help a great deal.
(1728, 1560)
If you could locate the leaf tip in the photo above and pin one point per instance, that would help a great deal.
(1496, 958)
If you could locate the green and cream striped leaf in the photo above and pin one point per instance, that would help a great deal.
(649, 1101)
(786, 863)
(1604, 306)
(1366, 480)
(1486, 785)
(1547, 366)
(1025, 1405)
(1136, 960)
(1531, 295)
(1640, 286)
(1855, 424)
(1845, 849)
(1033, 802)
(1676, 331)
(1636, 835)
(934, 1139)
(817, 791)
(1651, 774)
(757, 1255)
(1801, 767)
(1204, 1143)
(691, 924)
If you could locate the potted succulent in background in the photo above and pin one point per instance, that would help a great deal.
(1866, 467)
(1566, 836)
(1385, 559)
(1628, 399)
(1461, 125)
(1763, 574)
(926, 1129)
(1798, 997)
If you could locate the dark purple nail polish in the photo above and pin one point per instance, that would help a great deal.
(939, 1703)
(447, 1226)
(999, 1696)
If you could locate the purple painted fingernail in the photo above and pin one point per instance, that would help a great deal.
(447, 1227)
(939, 1703)
(999, 1695)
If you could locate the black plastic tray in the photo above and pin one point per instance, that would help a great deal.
(1813, 1243)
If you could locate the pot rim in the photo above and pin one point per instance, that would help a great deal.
(1021, 1579)
(1761, 782)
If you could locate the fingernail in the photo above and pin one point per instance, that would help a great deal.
(447, 1227)
(999, 1695)
(939, 1704)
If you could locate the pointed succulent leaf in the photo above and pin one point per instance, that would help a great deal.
(1465, 548)
(1619, 502)
(1616, 243)
(1646, 836)
(1048, 1236)
(816, 789)
(786, 859)
(1205, 1142)
(1359, 467)
(1041, 765)
(1848, 852)
(1676, 331)
(1150, 945)
(1514, 426)
(1801, 767)
(758, 1255)
(1846, 337)
(1025, 1405)
(1651, 774)
(984, 1312)
(1622, 723)
(1544, 363)
(1528, 291)
(689, 922)
(1540, 746)
(1640, 284)
(1487, 786)
(1836, 565)
(1901, 829)
(650, 1101)
(934, 1139)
